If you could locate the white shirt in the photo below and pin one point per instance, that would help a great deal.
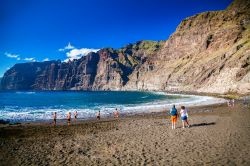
(183, 112)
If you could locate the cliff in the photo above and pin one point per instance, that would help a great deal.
(105, 70)
(208, 52)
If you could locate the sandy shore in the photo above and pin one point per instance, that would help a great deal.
(218, 136)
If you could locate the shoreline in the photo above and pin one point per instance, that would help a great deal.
(142, 108)
(215, 132)
(164, 112)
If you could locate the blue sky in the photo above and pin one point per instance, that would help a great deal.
(37, 30)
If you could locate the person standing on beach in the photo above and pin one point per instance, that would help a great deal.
(69, 117)
(98, 115)
(116, 113)
(184, 116)
(229, 103)
(174, 115)
(54, 117)
(232, 102)
(75, 115)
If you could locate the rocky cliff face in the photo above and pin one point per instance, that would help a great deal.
(108, 69)
(209, 52)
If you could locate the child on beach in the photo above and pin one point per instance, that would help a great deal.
(174, 115)
(69, 117)
(184, 116)
(54, 117)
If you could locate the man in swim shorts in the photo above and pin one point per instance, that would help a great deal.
(98, 115)
(54, 117)
(75, 115)
(69, 117)
(174, 115)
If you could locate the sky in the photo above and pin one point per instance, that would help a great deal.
(41, 30)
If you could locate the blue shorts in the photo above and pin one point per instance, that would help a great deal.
(184, 118)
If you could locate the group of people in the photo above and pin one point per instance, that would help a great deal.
(115, 114)
(174, 116)
(68, 116)
(173, 112)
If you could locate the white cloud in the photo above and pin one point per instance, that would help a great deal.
(46, 59)
(17, 57)
(68, 47)
(9, 55)
(78, 53)
(30, 59)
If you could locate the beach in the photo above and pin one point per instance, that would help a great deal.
(219, 135)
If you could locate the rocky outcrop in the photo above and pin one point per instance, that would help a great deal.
(208, 52)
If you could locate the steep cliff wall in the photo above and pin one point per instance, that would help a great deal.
(108, 69)
(209, 52)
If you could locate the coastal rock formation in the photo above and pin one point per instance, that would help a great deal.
(108, 69)
(208, 52)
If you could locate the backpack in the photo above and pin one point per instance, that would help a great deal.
(173, 112)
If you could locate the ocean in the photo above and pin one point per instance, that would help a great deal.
(20, 106)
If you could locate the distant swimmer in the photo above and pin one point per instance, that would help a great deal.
(98, 115)
(184, 116)
(174, 115)
(75, 115)
(116, 113)
(68, 117)
(54, 117)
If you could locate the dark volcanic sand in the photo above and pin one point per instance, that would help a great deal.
(219, 136)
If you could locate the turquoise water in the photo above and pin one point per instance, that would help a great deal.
(39, 105)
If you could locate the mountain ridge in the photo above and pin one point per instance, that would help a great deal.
(208, 52)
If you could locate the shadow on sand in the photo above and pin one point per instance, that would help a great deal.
(202, 124)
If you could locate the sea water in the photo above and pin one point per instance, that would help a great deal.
(21, 106)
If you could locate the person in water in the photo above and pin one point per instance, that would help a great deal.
(116, 113)
(69, 117)
(75, 115)
(54, 117)
(174, 115)
(98, 115)
(184, 116)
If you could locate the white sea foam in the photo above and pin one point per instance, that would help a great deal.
(39, 114)
(25, 92)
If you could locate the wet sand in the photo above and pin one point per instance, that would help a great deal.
(218, 135)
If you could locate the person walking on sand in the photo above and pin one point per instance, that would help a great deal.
(98, 115)
(184, 116)
(75, 115)
(174, 115)
(54, 118)
(69, 117)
